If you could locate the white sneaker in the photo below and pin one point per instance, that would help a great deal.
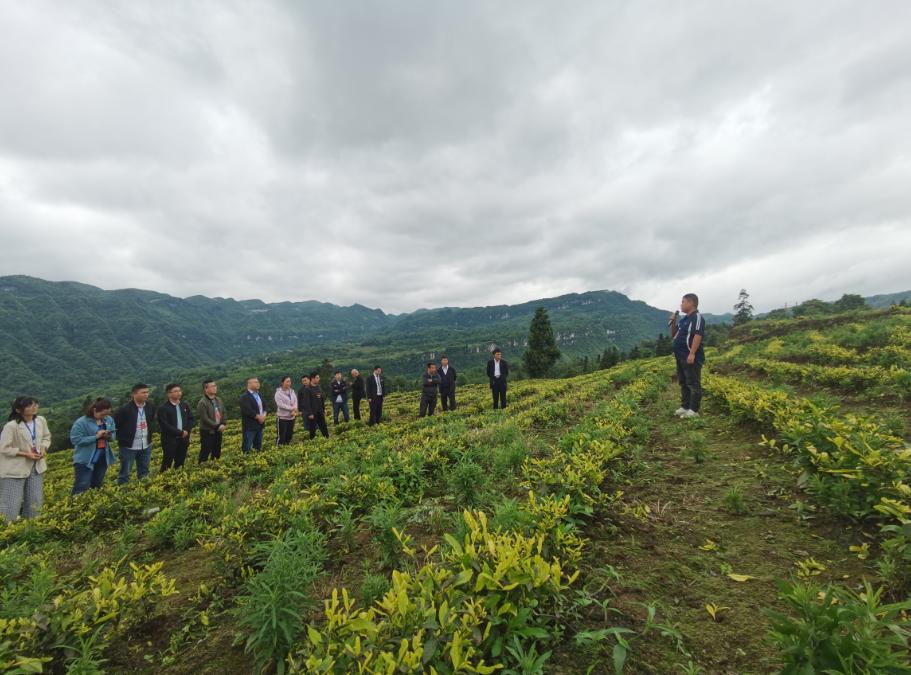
(679, 411)
(689, 414)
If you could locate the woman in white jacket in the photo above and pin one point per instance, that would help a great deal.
(286, 405)
(24, 442)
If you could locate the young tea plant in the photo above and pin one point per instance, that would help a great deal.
(734, 502)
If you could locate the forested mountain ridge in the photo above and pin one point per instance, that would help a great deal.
(62, 339)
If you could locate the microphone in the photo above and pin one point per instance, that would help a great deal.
(674, 318)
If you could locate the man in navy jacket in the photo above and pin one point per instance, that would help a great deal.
(253, 416)
(175, 422)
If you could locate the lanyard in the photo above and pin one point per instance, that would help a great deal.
(33, 432)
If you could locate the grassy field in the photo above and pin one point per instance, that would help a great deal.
(582, 530)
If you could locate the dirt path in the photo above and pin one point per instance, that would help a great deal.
(701, 500)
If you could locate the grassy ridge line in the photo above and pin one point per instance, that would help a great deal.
(768, 328)
(483, 597)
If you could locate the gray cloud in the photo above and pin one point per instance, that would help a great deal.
(406, 155)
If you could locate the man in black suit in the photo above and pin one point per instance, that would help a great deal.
(253, 416)
(429, 390)
(447, 384)
(498, 371)
(175, 422)
(376, 390)
(313, 408)
(358, 393)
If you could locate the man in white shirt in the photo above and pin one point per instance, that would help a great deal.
(134, 432)
(376, 390)
(447, 384)
(339, 392)
(498, 372)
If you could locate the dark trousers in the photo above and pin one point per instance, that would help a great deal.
(428, 405)
(209, 445)
(318, 422)
(447, 398)
(356, 403)
(376, 410)
(499, 395)
(253, 439)
(690, 378)
(173, 451)
(285, 431)
(89, 478)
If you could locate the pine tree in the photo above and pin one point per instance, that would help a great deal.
(542, 351)
(664, 346)
(610, 357)
(743, 310)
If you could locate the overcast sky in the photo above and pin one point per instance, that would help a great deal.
(420, 154)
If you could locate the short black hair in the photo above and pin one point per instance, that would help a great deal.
(444, 357)
(315, 373)
(497, 350)
(138, 386)
(169, 387)
(430, 363)
(692, 297)
(20, 404)
(305, 376)
(206, 382)
(283, 378)
(377, 367)
(100, 403)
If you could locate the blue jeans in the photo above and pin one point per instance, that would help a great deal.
(336, 406)
(89, 478)
(128, 457)
(252, 439)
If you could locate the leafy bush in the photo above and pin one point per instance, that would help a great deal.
(835, 630)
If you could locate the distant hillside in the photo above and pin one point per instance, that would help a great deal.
(888, 299)
(63, 339)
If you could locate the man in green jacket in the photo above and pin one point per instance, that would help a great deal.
(211, 415)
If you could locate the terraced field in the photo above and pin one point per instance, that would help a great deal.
(583, 529)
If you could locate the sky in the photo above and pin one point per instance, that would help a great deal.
(422, 154)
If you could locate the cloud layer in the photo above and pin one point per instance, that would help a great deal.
(405, 155)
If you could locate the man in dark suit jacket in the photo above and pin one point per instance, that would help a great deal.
(376, 390)
(498, 371)
(358, 392)
(135, 423)
(429, 390)
(253, 416)
(313, 407)
(447, 384)
(175, 421)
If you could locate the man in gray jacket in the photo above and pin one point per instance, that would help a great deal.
(431, 387)
(212, 416)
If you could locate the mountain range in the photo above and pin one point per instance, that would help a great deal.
(62, 339)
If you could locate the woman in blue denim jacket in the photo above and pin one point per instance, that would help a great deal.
(91, 436)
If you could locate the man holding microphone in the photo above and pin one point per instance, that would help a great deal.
(688, 332)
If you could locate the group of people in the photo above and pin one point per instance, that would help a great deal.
(26, 438)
